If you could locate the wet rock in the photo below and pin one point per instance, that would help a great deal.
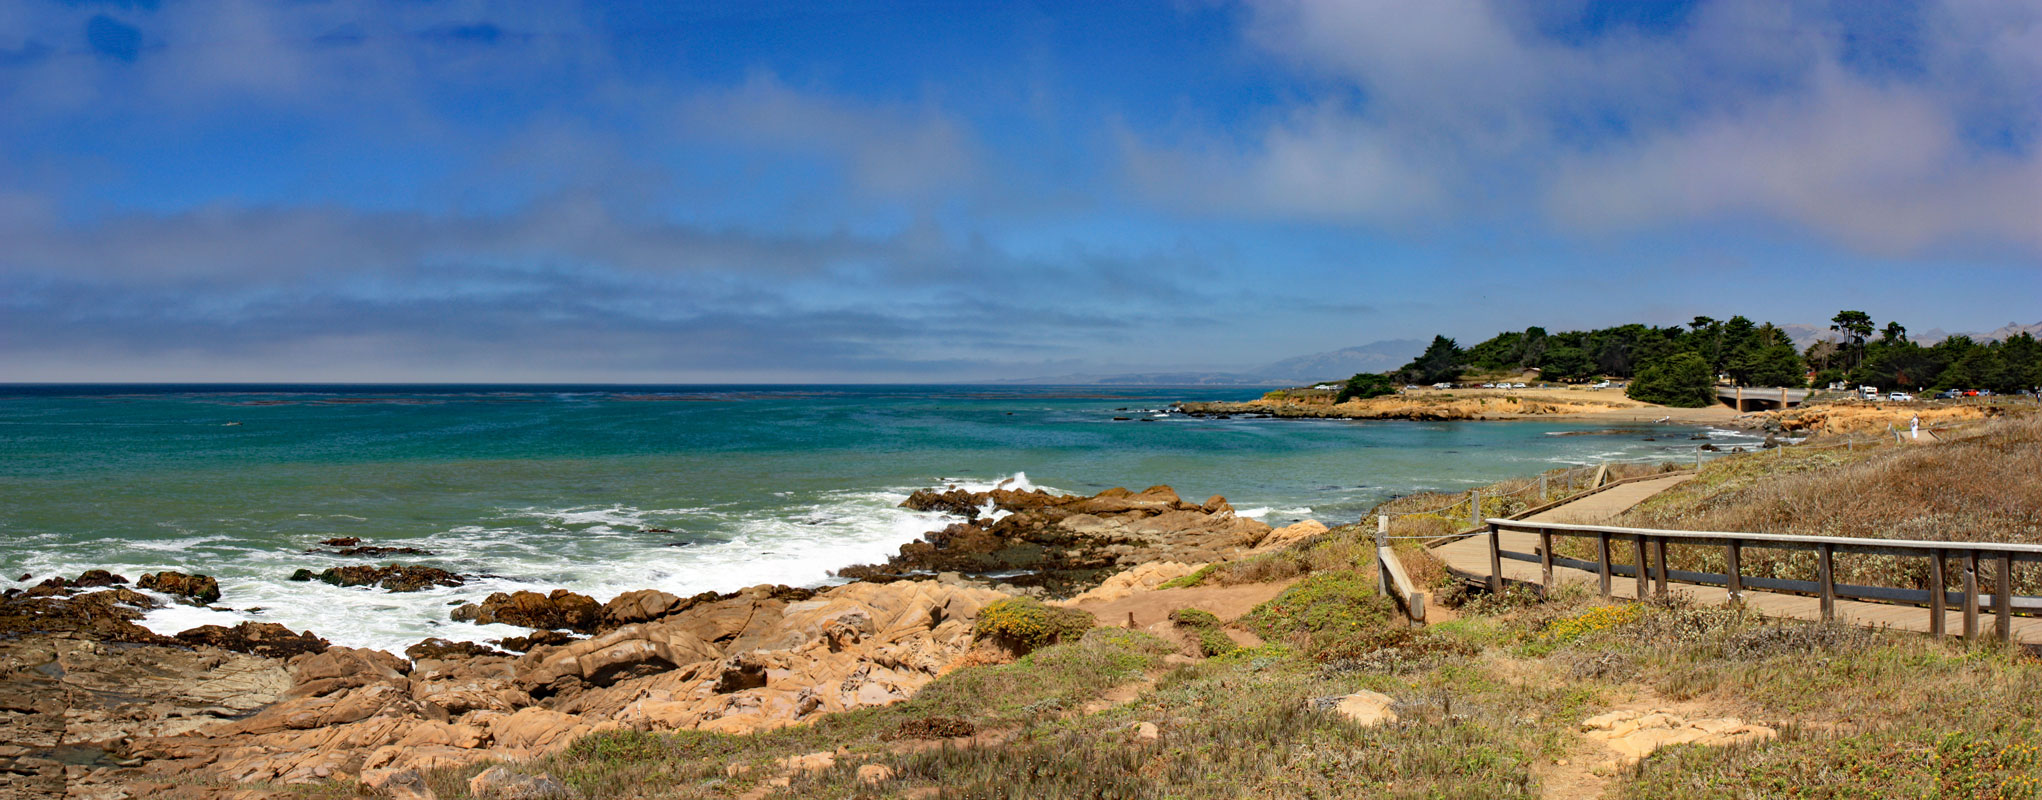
(442, 649)
(107, 615)
(560, 609)
(343, 541)
(1059, 545)
(266, 639)
(537, 639)
(196, 589)
(378, 551)
(393, 577)
(97, 577)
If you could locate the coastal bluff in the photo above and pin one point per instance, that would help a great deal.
(95, 706)
(1423, 405)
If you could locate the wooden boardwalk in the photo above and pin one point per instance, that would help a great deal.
(1470, 558)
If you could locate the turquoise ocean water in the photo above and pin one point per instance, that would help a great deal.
(557, 486)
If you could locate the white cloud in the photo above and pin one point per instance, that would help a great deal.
(1463, 110)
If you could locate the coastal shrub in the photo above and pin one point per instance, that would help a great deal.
(1205, 631)
(1334, 615)
(1194, 618)
(1025, 623)
(1567, 630)
(1999, 760)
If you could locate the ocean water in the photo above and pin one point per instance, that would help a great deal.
(604, 489)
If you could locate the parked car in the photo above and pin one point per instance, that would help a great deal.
(1900, 397)
(1601, 385)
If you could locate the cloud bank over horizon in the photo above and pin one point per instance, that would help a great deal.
(394, 190)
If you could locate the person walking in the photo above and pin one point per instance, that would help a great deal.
(1914, 426)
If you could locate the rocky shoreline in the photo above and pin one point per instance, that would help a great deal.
(94, 706)
(1423, 406)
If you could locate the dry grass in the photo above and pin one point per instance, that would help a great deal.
(1985, 487)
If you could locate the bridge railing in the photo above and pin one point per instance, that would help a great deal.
(1651, 571)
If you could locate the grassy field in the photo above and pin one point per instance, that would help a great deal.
(1489, 704)
(1982, 487)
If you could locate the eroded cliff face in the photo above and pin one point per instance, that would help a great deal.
(93, 706)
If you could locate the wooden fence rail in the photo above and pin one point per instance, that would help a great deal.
(1652, 573)
(1393, 579)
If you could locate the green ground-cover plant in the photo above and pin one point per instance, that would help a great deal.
(1205, 631)
(1025, 623)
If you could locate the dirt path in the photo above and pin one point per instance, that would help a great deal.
(1154, 606)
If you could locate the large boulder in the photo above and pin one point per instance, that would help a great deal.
(561, 609)
(394, 577)
(646, 605)
(266, 639)
(199, 589)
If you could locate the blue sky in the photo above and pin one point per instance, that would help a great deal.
(956, 191)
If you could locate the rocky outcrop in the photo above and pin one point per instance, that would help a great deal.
(72, 706)
(199, 589)
(750, 660)
(561, 609)
(1292, 534)
(1138, 579)
(378, 551)
(255, 638)
(1064, 544)
(107, 615)
(393, 577)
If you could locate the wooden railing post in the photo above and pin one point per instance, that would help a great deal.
(1659, 576)
(1382, 545)
(1495, 560)
(1733, 572)
(1602, 570)
(1644, 568)
(1937, 625)
(2003, 599)
(1474, 508)
(1826, 573)
(1546, 562)
(1970, 595)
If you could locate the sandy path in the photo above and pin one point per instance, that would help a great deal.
(1154, 606)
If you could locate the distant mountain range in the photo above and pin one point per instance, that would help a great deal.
(1805, 335)
(1390, 354)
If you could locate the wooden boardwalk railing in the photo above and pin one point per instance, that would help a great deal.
(1391, 577)
(1527, 541)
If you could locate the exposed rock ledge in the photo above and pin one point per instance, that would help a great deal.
(181, 717)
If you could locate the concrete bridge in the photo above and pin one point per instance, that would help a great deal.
(1760, 398)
